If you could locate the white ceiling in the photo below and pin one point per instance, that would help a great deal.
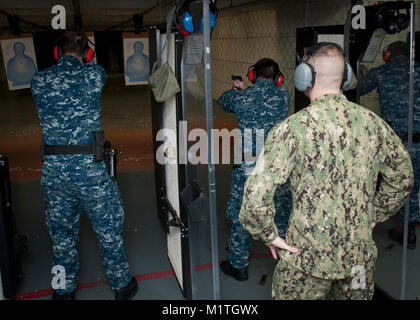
(25, 4)
(100, 14)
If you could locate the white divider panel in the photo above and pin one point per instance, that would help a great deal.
(169, 119)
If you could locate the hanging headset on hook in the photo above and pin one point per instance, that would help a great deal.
(391, 20)
(189, 16)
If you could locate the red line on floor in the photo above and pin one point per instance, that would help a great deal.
(141, 277)
(155, 275)
(33, 294)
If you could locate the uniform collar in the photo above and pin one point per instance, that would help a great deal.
(263, 82)
(69, 60)
(399, 59)
(331, 96)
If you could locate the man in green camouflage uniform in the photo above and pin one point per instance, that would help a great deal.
(331, 153)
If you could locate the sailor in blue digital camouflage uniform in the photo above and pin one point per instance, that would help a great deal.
(392, 82)
(258, 107)
(67, 98)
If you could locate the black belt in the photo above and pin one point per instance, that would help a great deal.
(65, 149)
(97, 147)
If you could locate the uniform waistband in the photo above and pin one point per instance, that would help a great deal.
(68, 149)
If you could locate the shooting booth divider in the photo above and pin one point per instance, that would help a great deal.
(12, 245)
(186, 192)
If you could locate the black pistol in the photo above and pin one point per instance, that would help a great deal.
(237, 78)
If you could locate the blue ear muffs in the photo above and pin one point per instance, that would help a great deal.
(187, 22)
(212, 20)
(185, 18)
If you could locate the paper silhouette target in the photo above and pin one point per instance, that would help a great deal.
(19, 61)
(136, 60)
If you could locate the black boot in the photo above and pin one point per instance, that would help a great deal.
(128, 292)
(398, 235)
(64, 296)
(239, 274)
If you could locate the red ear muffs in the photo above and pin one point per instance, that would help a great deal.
(386, 55)
(88, 56)
(279, 79)
(252, 77)
(251, 74)
(56, 53)
(183, 32)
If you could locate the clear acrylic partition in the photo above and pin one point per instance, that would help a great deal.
(410, 289)
(198, 198)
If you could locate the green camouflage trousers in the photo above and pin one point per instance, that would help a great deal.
(292, 284)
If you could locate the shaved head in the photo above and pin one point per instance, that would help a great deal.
(328, 63)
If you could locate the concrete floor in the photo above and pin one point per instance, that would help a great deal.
(145, 243)
(389, 263)
(127, 122)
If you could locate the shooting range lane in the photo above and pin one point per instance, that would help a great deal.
(126, 121)
(238, 40)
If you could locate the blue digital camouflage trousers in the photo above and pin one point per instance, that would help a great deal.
(240, 239)
(414, 213)
(88, 186)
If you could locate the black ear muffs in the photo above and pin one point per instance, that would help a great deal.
(391, 20)
(403, 21)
